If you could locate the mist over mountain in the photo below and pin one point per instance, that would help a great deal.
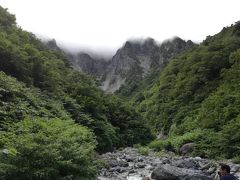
(167, 100)
(136, 61)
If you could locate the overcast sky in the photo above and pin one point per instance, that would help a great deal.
(104, 25)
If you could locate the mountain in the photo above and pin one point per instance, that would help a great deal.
(196, 98)
(45, 67)
(52, 44)
(82, 62)
(131, 64)
(91, 66)
(148, 61)
(186, 92)
(53, 119)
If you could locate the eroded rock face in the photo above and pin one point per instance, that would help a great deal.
(89, 65)
(136, 60)
(132, 62)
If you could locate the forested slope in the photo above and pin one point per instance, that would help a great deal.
(196, 98)
(45, 104)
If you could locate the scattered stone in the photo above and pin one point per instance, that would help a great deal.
(128, 164)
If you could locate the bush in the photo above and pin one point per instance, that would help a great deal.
(161, 153)
(174, 143)
(137, 146)
(46, 149)
(178, 141)
(236, 159)
(229, 139)
(143, 151)
(222, 144)
(159, 145)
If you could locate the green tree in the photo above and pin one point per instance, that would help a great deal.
(46, 149)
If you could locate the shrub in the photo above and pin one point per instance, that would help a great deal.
(173, 143)
(159, 145)
(46, 149)
(143, 151)
(137, 146)
(236, 159)
(178, 141)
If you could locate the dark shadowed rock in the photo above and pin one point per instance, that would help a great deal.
(187, 148)
(89, 65)
(139, 60)
(168, 172)
(186, 163)
(52, 44)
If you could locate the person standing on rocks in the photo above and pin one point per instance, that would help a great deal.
(224, 173)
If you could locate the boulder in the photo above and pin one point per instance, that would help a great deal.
(141, 165)
(187, 148)
(168, 172)
(186, 163)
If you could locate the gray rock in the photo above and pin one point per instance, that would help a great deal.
(187, 148)
(175, 167)
(141, 165)
(89, 65)
(114, 169)
(130, 159)
(205, 166)
(113, 72)
(123, 164)
(113, 163)
(211, 170)
(186, 163)
(140, 159)
(237, 174)
(168, 172)
(235, 168)
(132, 171)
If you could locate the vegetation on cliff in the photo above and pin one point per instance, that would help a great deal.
(53, 115)
(196, 98)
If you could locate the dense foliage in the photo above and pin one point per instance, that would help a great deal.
(42, 149)
(18, 102)
(38, 84)
(52, 117)
(197, 96)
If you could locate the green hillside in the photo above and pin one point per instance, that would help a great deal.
(54, 119)
(45, 104)
(196, 98)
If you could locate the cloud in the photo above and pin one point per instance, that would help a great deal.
(104, 25)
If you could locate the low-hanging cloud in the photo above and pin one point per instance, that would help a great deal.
(102, 26)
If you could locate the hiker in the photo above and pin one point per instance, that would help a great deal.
(224, 173)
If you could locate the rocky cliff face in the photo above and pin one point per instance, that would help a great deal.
(89, 65)
(132, 63)
(81, 61)
(52, 44)
(137, 60)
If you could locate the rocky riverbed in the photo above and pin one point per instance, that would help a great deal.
(129, 164)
